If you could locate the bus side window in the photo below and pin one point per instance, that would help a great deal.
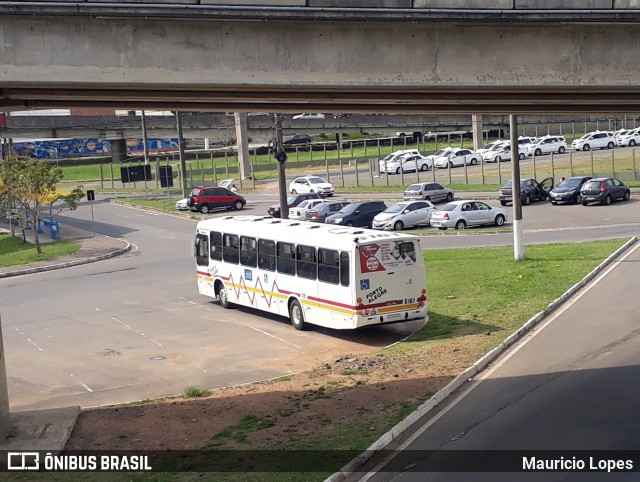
(344, 268)
(286, 258)
(202, 250)
(306, 262)
(328, 266)
(267, 254)
(248, 251)
(216, 245)
(231, 248)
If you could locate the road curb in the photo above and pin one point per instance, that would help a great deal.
(388, 437)
(68, 264)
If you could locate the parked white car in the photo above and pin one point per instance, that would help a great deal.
(523, 144)
(547, 145)
(309, 115)
(407, 163)
(311, 184)
(299, 212)
(499, 154)
(629, 138)
(469, 212)
(491, 146)
(404, 214)
(457, 157)
(594, 140)
(394, 156)
(182, 205)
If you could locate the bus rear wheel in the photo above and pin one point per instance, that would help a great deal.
(296, 315)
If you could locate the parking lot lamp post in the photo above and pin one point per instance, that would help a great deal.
(518, 243)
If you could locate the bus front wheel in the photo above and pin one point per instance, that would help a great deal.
(296, 315)
(223, 296)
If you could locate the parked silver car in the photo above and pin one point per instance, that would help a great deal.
(326, 208)
(469, 212)
(430, 191)
(405, 214)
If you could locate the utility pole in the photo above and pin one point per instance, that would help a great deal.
(183, 162)
(281, 157)
(518, 243)
(145, 142)
(5, 421)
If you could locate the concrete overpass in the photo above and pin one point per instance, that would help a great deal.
(426, 56)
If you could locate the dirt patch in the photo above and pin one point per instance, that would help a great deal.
(306, 406)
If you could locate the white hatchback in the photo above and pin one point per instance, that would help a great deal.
(457, 158)
(547, 145)
(311, 184)
(630, 138)
(300, 211)
(404, 214)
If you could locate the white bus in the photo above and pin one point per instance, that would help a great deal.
(333, 276)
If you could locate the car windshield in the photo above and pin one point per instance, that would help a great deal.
(390, 157)
(291, 199)
(571, 182)
(303, 204)
(441, 152)
(396, 208)
(414, 187)
(592, 184)
(448, 207)
(316, 180)
(586, 136)
(507, 184)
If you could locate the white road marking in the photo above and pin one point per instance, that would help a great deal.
(204, 307)
(136, 331)
(493, 367)
(123, 216)
(273, 336)
(28, 339)
(84, 385)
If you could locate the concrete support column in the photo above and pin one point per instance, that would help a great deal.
(118, 150)
(476, 128)
(244, 163)
(5, 421)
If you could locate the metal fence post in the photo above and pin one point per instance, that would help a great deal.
(499, 174)
(553, 168)
(570, 163)
(534, 167)
(449, 169)
(351, 146)
(157, 173)
(112, 180)
(482, 171)
(101, 176)
(371, 161)
(466, 172)
(355, 162)
(326, 163)
(226, 164)
(633, 158)
(365, 148)
(592, 174)
(613, 163)
(341, 171)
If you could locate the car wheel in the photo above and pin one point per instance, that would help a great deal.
(350, 224)
(442, 228)
(461, 224)
(398, 226)
(561, 150)
(312, 191)
(499, 220)
(427, 198)
(398, 171)
(521, 156)
(450, 164)
(449, 197)
(527, 200)
(474, 161)
(238, 205)
(607, 200)
(498, 159)
(538, 152)
(584, 203)
(586, 147)
(627, 195)
(424, 167)
(610, 145)
(553, 203)
(293, 191)
(296, 315)
(632, 143)
(204, 209)
(223, 296)
(504, 203)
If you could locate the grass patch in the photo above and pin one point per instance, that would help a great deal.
(166, 204)
(195, 392)
(13, 251)
(349, 371)
(239, 431)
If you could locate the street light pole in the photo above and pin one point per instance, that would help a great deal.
(518, 243)
(281, 157)
(183, 162)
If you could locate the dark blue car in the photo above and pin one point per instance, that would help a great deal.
(357, 214)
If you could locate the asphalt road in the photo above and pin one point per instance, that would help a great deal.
(570, 385)
(134, 327)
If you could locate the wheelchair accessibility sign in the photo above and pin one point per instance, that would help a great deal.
(364, 284)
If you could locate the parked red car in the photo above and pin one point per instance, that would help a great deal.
(204, 199)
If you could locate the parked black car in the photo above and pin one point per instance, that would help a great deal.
(604, 190)
(568, 190)
(357, 214)
(292, 201)
(297, 139)
(530, 190)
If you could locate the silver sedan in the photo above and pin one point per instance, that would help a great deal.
(460, 214)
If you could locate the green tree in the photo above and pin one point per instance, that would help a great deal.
(31, 185)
